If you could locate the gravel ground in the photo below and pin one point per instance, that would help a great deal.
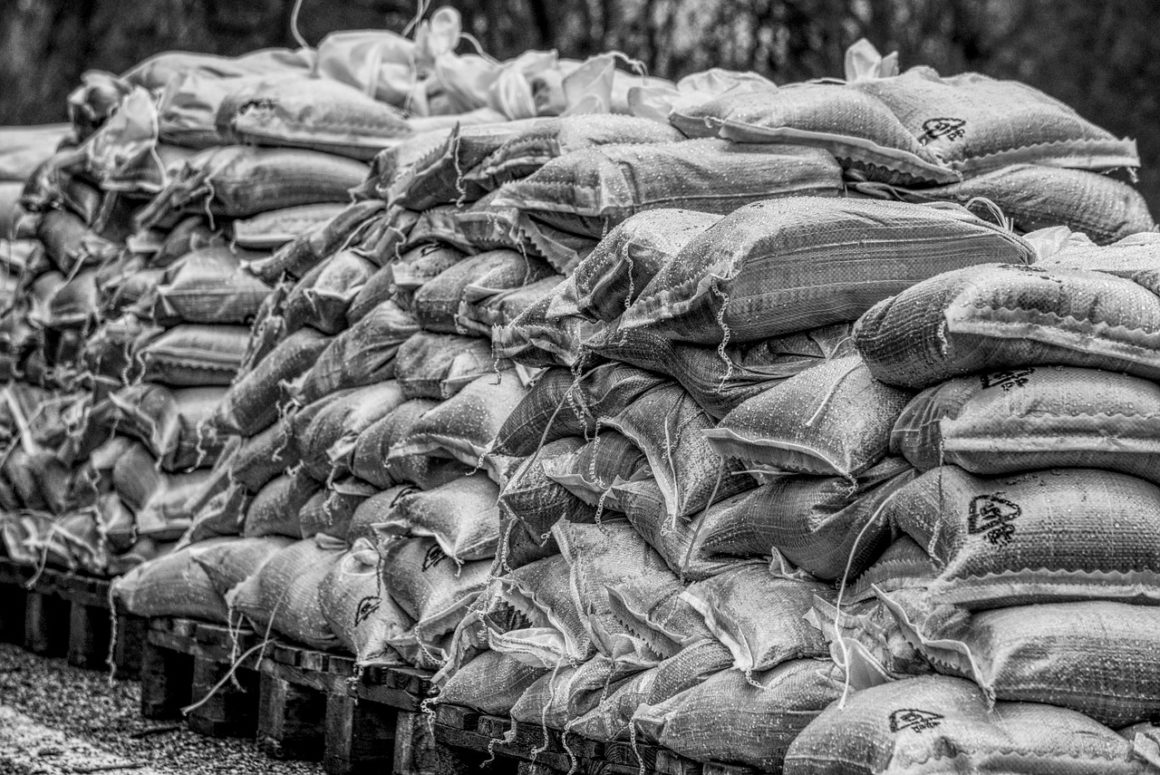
(82, 705)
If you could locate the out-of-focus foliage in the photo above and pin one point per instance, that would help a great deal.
(1103, 58)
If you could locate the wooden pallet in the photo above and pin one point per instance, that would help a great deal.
(300, 703)
(64, 614)
(525, 744)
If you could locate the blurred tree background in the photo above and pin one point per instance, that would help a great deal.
(1103, 58)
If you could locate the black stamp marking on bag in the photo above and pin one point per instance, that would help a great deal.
(366, 607)
(949, 128)
(913, 719)
(1007, 380)
(992, 515)
(433, 557)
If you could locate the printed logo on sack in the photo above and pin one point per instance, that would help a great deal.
(913, 719)
(992, 515)
(950, 128)
(1007, 379)
(366, 607)
(433, 557)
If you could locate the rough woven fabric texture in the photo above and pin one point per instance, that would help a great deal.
(536, 500)
(733, 719)
(321, 298)
(372, 458)
(324, 434)
(194, 355)
(462, 516)
(332, 513)
(278, 227)
(793, 264)
(1035, 417)
(825, 525)
(1100, 658)
(438, 303)
(400, 278)
(1054, 535)
(929, 723)
(173, 585)
(263, 457)
(491, 683)
(555, 631)
(996, 318)
(591, 471)
(440, 365)
(830, 420)
(229, 563)
(274, 510)
(298, 257)
(207, 285)
(359, 612)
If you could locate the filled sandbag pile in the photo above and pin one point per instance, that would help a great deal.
(683, 413)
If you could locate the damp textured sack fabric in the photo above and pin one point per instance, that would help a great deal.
(401, 278)
(994, 318)
(207, 285)
(732, 719)
(324, 433)
(439, 303)
(536, 500)
(372, 460)
(1099, 658)
(830, 420)
(462, 516)
(1044, 536)
(282, 597)
(229, 563)
(855, 127)
(170, 423)
(589, 191)
(938, 724)
(263, 457)
(609, 279)
(821, 524)
(1035, 417)
(759, 617)
(251, 405)
(194, 355)
(555, 632)
(321, 298)
(591, 471)
(173, 585)
(330, 512)
(361, 355)
(274, 509)
(315, 113)
(787, 265)
(491, 683)
(1037, 197)
(720, 380)
(309, 248)
(359, 612)
(278, 227)
(973, 122)
(438, 366)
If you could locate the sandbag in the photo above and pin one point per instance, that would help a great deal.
(208, 285)
(309, 248)
(238, 180)
(370, 512)
(172, 424)
(560, 404)
(555, 632)
(173, 585)
(251, 405)
(935, 722)
(440, 365)
(591, 471)
(195, 355)
(1033, 418)
(831, 420)
(429, 586)
(320, 299)
(399, 279)
(324, 433)
(278, 227)
(824, 525)
(1044, 536)
(274, 510)
(490, 683)
(536, 500)
(996, 318)
(536, 338)
(229, 563)
(591, 190)
(282, 597)
(733, 719)
(372, 460)
(362, 617)
(160, 502)
(330, 511)
(1044, 653)
(656, 612)
(758, 616)
(564, 694)
(462, 516)
(263, 457)
(361, 355)
(792, 264)
(438, 303)
(486, 308)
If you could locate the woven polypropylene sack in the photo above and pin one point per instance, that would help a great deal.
(827, 526)
(438, 302)
(591, 471)
(798, 263)
(491, 683)
(229, 563)
(274, 510)
(994, 318)
(171, 423)
(358, 611)
(325, 433)
(263, 457)
(298, 257)
(173, 585)
(361, 355)
(372, 460)
(833, 419)
(251, 405)
(730, 720)
(1043, 536)
(462, 516)
(400, 278)
(1032, 418)
(282, 596)
(321, 298)
(195, 355)
(332, 514)
(276, 228)
(537, 338)
(589, 191)
(440, 365)
(555, 633)
(931, 723)
(208, 285)
(536, 500)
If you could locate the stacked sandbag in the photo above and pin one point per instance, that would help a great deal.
(918, 136)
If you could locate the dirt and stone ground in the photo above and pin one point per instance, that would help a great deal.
(58, 720)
